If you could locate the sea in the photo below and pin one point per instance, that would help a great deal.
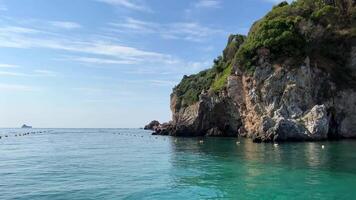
(88, 164)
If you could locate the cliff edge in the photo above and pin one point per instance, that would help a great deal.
(292, 78)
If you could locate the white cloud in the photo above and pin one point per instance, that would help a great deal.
(181, 66)
(97, 52)
(3, 8)
(8, 66)
(35, 73)
(190, 31)
(208, 4)
(130, 4)
(16, 88)
(47, 73)
(93, 60)
(17, 30)
(22, 37)
(137, 25)
(162, 83)
(65, 24)
(7, 73)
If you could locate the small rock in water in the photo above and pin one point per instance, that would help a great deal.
(322, 146)
(275, 145)
(238, 142)
(201, 141)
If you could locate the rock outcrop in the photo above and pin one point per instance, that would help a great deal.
(277, 94)
(152, 125)
(211, 115)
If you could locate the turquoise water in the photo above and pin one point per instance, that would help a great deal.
(131, 164)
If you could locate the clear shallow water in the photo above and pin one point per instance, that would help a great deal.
(102, 164)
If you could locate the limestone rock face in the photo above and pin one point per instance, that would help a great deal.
(317, 122)
(274, 104)
(212, 116)
(279, 104)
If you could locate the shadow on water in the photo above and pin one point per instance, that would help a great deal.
(336, 156)
(228, 167)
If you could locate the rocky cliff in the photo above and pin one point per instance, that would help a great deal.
(292, 78)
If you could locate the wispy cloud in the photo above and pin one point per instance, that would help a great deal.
(190, 31)
(94, 60)
(7, 73)
(8, 66)
(3, 8)
(130, 4)
(162, 83)
(208, 4)
(94, 52)
(17, 30)
(187, 67)
(201, 6)
(65, 24)
(137, 25)
(47, 73)
(142, 71)
(23, 37)
(34, 73)
(16, 88)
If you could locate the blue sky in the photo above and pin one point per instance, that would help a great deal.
(108, 63)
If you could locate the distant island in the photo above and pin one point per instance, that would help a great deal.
(292, 78)
(25, 126)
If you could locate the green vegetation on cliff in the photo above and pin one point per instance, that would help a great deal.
(300, 29)
(213, 80)
(320, 29)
